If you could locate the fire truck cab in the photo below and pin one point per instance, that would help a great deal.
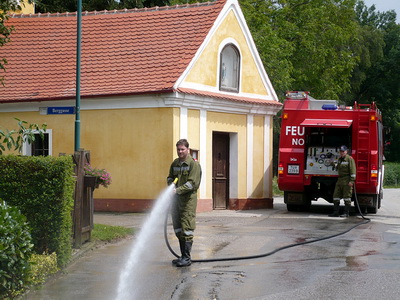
(312, 132)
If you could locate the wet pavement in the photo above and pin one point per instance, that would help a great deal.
(361, 264)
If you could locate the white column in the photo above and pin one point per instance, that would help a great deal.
(203, 153)
(267, 184)
(233, 165)
(250, 138)
(183, 128)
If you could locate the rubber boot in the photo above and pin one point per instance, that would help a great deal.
(335, 210)
(186, 259)
(346, 211)
(182, 247)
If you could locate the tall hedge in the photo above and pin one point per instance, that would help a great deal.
(392, 175)
(42, 188)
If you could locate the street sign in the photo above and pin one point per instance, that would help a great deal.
(61, 110)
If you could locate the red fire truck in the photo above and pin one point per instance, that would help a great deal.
(312, 132)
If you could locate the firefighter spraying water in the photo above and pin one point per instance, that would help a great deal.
(185, 172)
(312, 132)
(181, 196)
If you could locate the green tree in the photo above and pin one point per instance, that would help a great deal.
(324, 35)
(370, 47)
(382, 85)
(376, 77)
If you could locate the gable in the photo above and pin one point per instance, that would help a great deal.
(203, 73)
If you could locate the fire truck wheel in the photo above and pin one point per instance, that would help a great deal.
(374, 208)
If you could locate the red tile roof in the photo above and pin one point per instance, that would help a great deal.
(123, 52)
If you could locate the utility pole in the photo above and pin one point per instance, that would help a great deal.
(78, 78)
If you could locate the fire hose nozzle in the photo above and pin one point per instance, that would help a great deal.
(176, 180)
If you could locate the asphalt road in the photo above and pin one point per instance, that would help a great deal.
(361, 264)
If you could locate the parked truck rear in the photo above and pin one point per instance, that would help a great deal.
(312, 132)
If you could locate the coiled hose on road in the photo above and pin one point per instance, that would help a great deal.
(366, 220)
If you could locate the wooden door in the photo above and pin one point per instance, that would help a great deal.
(220, 176)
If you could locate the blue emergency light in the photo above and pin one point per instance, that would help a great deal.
(329, 107)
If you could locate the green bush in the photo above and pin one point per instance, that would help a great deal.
(15, 251)
(392, 175)
(42, 266)
(275, 189)
(42, 188)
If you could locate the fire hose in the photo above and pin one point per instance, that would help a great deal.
(366, 220)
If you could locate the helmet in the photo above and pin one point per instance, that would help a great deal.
(343, 148)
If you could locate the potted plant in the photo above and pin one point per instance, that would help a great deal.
(102, 177)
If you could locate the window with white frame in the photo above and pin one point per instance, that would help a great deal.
(39, 147)
(229, 69)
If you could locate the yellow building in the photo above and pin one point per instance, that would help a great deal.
(149, 77)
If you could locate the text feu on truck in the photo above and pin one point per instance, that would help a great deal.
(311, 133)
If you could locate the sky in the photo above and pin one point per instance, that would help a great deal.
(385, 5)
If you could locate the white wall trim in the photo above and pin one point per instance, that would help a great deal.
(219, 105)
(183, 123)
(267, 157)
(215, 89)
(151, 101)
(250, 142)
(203, 153)
(116, 102)
(233, 165)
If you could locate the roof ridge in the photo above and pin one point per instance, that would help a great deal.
(116, 11)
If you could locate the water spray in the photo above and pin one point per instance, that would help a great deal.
(143, 245)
